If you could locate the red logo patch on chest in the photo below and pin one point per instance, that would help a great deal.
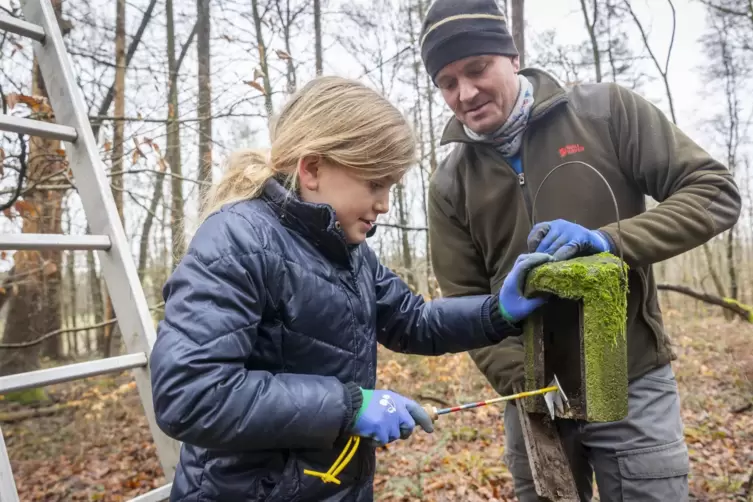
(571, 149)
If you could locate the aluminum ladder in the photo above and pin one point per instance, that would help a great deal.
(107, 238)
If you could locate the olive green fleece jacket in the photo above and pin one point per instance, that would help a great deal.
(480, 209)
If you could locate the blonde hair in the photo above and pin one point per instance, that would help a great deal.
(337, 119)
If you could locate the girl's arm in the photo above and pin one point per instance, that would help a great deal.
(407, 323)
(203, 394)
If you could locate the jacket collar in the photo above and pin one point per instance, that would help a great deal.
(547, 93)
(316, 222)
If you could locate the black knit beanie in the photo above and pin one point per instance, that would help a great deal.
(456, 29)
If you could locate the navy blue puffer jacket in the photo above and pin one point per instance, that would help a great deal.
(271, 325)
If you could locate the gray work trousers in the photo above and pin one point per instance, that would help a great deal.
(640, 458)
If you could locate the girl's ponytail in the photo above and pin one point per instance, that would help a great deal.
(247, 171)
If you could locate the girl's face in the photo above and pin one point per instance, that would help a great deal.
(356, 202)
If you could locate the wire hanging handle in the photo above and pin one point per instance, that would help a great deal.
(614, 200)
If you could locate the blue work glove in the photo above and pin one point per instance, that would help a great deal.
(514, 306)
(564, 240)
(386, 416)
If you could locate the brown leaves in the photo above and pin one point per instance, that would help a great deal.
(25, 209)
(283, 55)
(35, 103)
(255, 85)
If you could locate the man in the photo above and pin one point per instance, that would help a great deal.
(510, 128)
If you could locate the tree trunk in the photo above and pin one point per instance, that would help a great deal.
(146, 230)
(98, 304)
(72, 291)
(406, 251)
(173, 143)
(262, 48)
(318, 36)
(113, 338)
(418, 120)
(205, 91)
(518, 29)
(286, 20)
(591, 28)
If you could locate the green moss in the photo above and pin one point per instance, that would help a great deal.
(28, 396)
(743, 306)
(601, 286)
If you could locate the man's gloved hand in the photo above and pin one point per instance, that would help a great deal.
(386, 416)
(564, 240)
(513, 304)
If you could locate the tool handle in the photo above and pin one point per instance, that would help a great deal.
(431, 411)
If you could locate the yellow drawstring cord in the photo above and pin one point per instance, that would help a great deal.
(337, 467)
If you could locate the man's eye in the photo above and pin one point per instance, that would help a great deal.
(376, 185)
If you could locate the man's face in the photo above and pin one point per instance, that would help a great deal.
(480, 90)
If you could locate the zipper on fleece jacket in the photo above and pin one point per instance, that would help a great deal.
(521, 177)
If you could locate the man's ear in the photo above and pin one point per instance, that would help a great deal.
(515, 63)
(308, 172)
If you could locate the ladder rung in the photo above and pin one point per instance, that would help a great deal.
(77, 371)
(21, 27)
(31, 127)
(156, 495)
(54, 241)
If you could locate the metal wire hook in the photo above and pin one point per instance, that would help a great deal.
(614, 200)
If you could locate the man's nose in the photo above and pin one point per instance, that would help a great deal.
(468, 91)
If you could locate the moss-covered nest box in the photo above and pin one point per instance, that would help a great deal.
(579, 335)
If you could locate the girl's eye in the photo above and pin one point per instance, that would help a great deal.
(375, 185)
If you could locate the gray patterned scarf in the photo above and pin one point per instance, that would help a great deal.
(508, 137)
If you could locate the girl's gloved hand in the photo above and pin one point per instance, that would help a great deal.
(514, 306)
(386, 416)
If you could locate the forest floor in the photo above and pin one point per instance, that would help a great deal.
(97, 446)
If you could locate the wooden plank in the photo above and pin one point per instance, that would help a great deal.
(552, 476)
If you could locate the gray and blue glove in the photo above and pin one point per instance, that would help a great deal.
(386, 416)
(564, 240)
(514, 306)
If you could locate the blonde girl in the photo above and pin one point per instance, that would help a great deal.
(265, 363)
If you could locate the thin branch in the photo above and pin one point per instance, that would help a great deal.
(102, 118)
(742, 310)
(57, 332)
(402, 227)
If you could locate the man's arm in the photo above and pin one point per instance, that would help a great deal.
(697, 195)
(460, 271)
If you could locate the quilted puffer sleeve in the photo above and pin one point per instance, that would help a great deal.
(407, 323)
(202, 392)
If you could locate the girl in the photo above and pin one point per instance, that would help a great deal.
(265, 363)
